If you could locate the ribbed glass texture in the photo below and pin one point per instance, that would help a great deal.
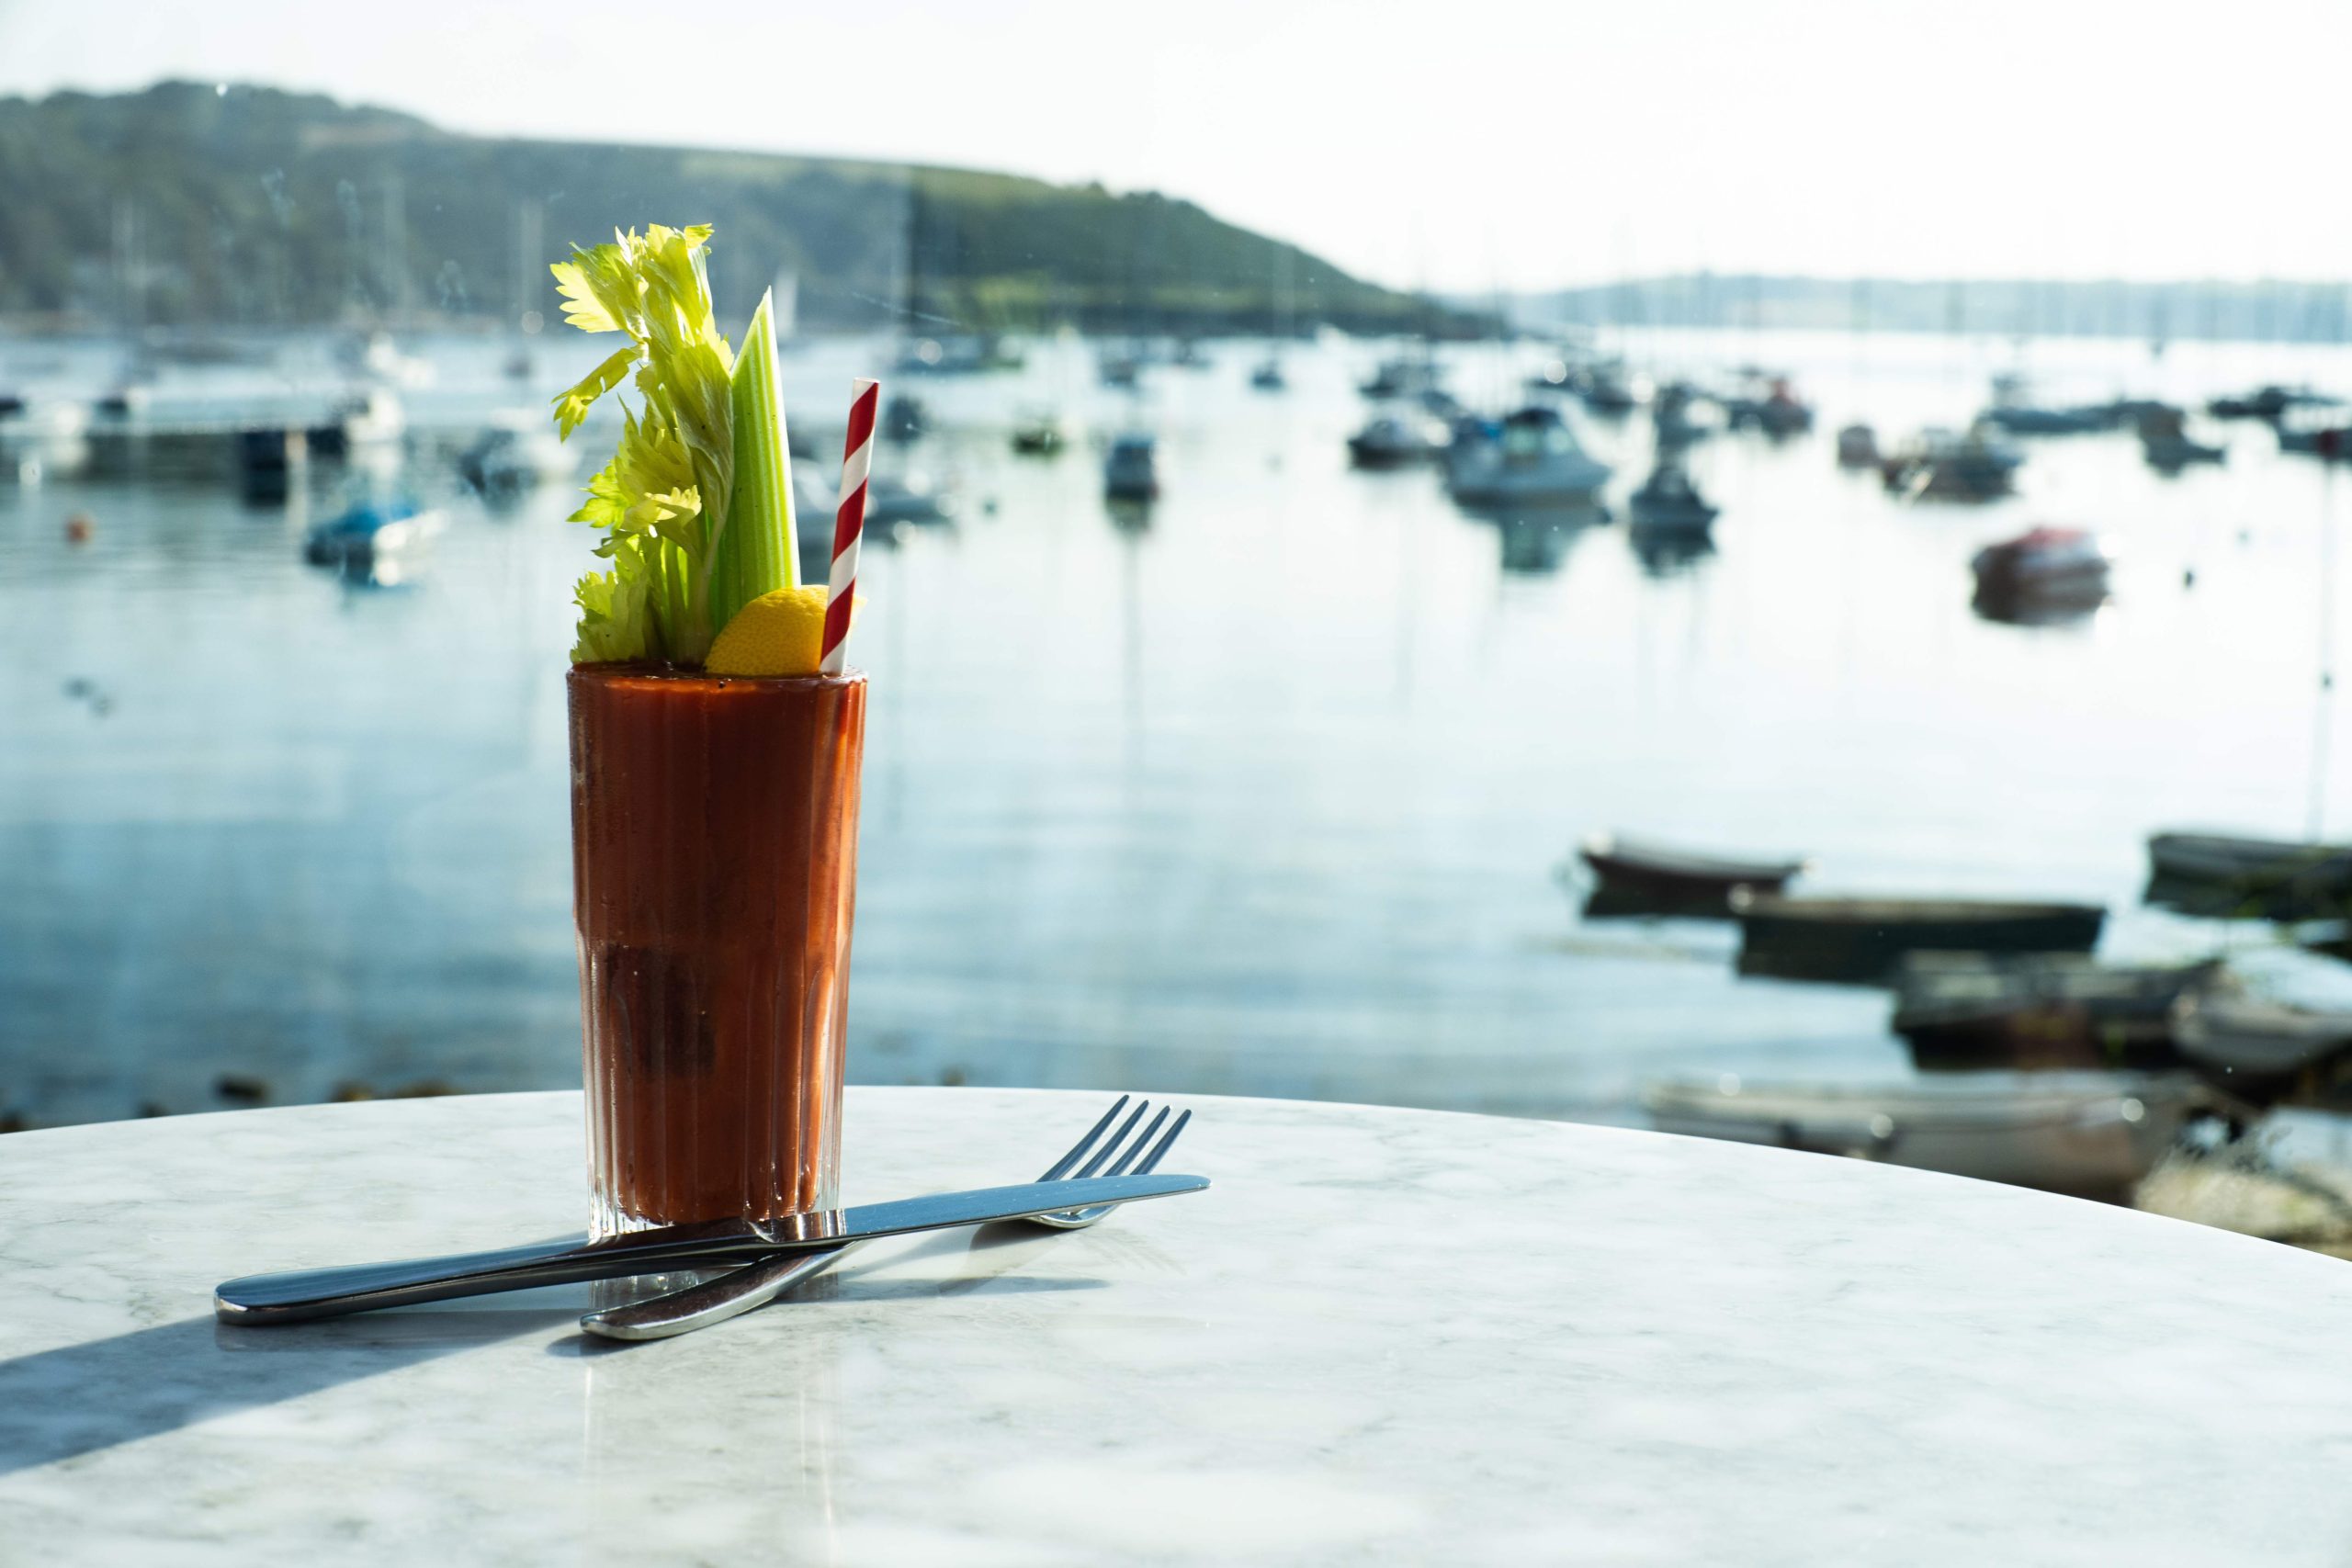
(714, 851)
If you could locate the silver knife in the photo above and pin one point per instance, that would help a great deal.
(305, 1294)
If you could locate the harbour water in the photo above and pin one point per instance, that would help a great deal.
(1259, 790)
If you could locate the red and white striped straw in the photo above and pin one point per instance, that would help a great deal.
(864, 397)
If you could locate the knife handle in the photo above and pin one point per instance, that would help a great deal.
(305, 1294)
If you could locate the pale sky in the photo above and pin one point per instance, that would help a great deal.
(1468, 144)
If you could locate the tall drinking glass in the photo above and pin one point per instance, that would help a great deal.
(714, 853)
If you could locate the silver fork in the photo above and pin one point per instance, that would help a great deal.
(756, 1284)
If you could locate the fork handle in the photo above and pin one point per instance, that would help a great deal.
(714, 1300)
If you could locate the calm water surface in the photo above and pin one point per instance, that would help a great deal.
(1260, 790)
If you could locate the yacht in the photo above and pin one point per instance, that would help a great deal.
(1532, 459)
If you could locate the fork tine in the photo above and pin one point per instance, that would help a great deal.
(1143, 1141)
(1090, 1167)
(1151, 1161)
(1078, 1150)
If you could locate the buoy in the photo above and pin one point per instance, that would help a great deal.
(79, 527)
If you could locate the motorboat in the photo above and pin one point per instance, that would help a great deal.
(1040, 433)
(1131, 472)
(2266, 403)
(1858, 447)
(519, 451)
(2330, 443)
(2086, 1135)
(2011, 412)
(2042, 565)
(1391, 441)
(1645, 876)
(2042, 1011)
(1268, 375)
(2164, 442)
(369, 533)
(1531, 459)
(1404, 378)
(1860, 941)
(1668, 501)
(1976, 466)
(1674, 419)
(2238, 875)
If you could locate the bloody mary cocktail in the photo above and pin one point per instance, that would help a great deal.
(714, 825)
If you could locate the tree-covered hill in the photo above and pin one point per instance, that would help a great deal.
(191, 204)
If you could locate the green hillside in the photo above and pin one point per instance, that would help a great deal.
(184, 204)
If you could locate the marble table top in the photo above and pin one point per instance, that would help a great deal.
(1384, 1337)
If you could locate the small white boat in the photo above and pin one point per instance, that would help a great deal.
(2089, 1134)
(2254, 1042)
(1534, 460)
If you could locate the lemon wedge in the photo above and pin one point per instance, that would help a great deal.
(780, 633)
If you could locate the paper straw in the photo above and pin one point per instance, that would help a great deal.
(864, 397)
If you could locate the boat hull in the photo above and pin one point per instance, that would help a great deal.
(1860, 942)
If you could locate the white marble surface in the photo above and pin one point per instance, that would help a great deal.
(1385, 1337)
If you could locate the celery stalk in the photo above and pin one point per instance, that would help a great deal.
(755, 553)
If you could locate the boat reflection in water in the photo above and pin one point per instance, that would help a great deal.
(1535, 539)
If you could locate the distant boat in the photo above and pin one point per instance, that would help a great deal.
(1389, 441)
(2231, 873)
(1407, 378)
(1858, 447)
(2012, 413)
(2087, 1135)
(1267, 376)
(1975, 467)
(2040, 1011)
(1119, 368)
(519, 451)
(1673, 422)
(1645, 876)
(1860, 941)
(1131, 472)
(904, 418)
(1532, 459)
(2042, 564)
(2260, 1047)
(2164, 442)
(2266, 403)
(890, 501)
(368, 533)
(1040, 433)
(1608, 390)
(1668, 501)
(2330, 443)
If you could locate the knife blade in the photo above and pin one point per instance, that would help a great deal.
(305, 1294)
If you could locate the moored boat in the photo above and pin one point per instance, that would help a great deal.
(2087, 1135)
(2040, 1011)
(1860, 941)
(2045, 564)
(2263, 1048)
(2233, 874)
(1131, 472)
(1532, 459)
(1391, 441)
(1644, 876)
(1668, 501)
